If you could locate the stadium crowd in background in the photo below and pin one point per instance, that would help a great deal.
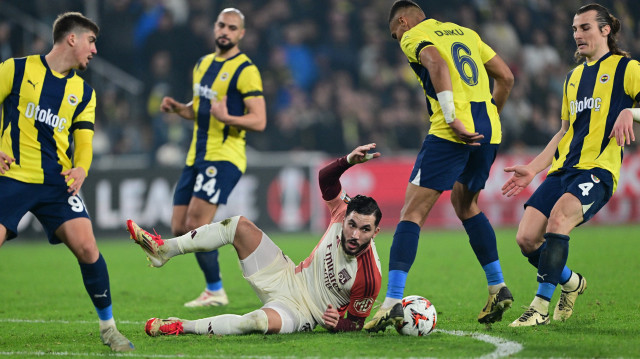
(332, 76)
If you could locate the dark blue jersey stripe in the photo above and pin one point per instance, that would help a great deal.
(84, 125)
(618, 101)
(424, 77)
(235, 102)
(203, 116)
(11, 114)
(481, 120)
(53, 90)
(252, 93)
(583, 118)
(86, 98)
(421, 46)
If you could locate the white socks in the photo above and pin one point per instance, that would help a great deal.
(572, 283)
(389, 302)
(203, 239)
(541, 305)
(229, 324)
(494, 289)
(107, 323)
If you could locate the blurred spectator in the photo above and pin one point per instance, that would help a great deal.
(332, 76)
(539, 56)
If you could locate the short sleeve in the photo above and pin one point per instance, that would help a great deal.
(413, 42)
(632, 80)
(250, 82)
(7, 70)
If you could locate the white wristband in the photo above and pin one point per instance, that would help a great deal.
(635, 112)
(445, 98)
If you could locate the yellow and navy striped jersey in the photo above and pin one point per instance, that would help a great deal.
(41, 110)
(237, 78)
(465, 54)
(594, 96)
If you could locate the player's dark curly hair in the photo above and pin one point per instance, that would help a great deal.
(604, 18)
(401, 4)
(365, 205)
(69, 21)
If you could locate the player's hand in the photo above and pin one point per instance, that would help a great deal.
(361, 154)
(521, 178)
(169, 105)
(623, 129)
(74, 178)
(5, 162)
(330, 317)
(470, 138)
(220, 111)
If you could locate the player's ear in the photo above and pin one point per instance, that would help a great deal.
(71, 39)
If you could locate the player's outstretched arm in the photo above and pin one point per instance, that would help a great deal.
(361, 154)
(184, 110)
(329, 175)
(523, 175)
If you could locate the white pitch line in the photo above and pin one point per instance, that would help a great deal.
(503, 347)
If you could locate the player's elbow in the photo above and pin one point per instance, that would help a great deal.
(261, 126)
(506, 79)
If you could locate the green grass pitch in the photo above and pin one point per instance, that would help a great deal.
(45, 311)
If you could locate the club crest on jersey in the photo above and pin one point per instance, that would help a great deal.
(72, 99)
(224, 76)
(362, 305)
(604, 78)
(343, 276)
(211, 171)
(595, 179)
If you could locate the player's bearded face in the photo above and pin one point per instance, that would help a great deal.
(224, 43)
(357, 231)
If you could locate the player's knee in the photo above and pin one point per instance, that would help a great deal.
(257, 320)
(527, 242)
(244, 228)
(86, 252)
(557, 222)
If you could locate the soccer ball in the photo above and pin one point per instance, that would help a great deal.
(420, 316)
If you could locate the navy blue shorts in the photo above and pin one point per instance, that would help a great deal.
(441, 163)
(211, 181)
(51, 204)
(592, 187)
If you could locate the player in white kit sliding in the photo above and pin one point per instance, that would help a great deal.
(341, 275)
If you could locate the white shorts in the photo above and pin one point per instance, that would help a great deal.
(272, 276)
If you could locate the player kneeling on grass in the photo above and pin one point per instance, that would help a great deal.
(342, 273)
